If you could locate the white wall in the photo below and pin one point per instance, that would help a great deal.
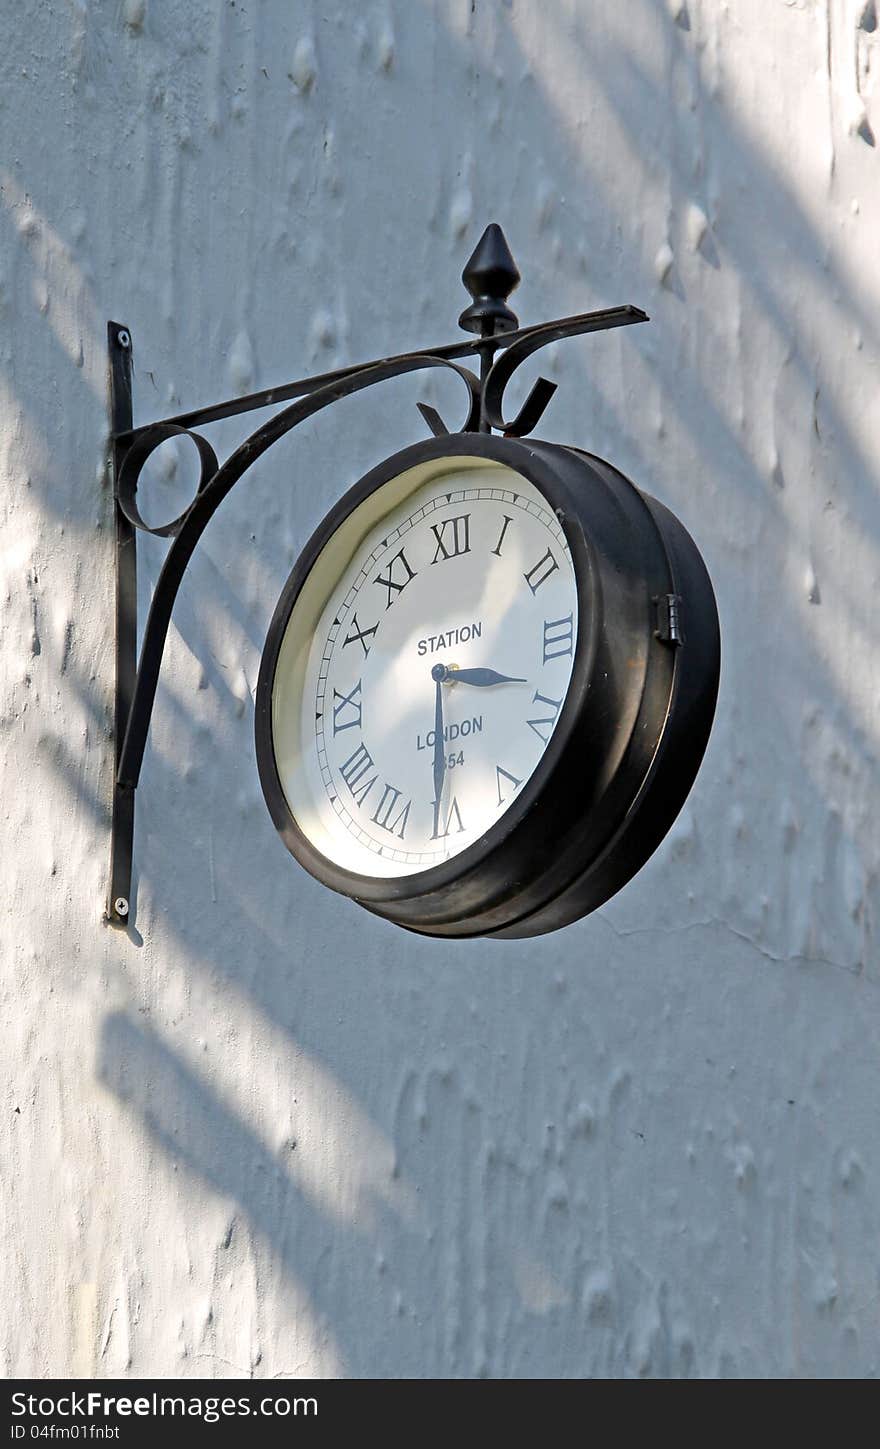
(263, 1132)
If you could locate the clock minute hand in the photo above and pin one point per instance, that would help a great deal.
(438, 674)
(483, 678)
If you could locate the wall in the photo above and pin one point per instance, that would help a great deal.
(261, 1132)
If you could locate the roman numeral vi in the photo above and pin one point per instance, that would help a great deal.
(454, 813)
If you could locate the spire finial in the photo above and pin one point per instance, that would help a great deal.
(490, 275)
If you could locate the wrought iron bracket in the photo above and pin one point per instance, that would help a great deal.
(490, 276)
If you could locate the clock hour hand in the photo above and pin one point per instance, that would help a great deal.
(481, 677)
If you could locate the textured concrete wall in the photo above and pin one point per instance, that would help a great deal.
(262, 1132)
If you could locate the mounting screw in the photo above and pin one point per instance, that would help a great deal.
(120, 906)
(123, 337)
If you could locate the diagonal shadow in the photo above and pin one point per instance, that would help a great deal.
(166, 1099)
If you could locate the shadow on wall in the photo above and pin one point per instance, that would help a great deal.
(450, 1297)
(186, 1121)
(504, 1266)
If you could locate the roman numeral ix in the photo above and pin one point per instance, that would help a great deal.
(347, 713)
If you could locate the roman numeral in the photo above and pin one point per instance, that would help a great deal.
(347, 713)
(459, 542)
(395, 586)
(454, 812)
(353, 771)
(504, 527)
(541, 571)
(499, 771)
(359, 636)
(385, 809)
(550, 719)
(558, 637)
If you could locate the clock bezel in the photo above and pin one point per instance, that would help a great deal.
(380, 892)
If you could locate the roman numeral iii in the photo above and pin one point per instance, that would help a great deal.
(558, 637)
(453, 537)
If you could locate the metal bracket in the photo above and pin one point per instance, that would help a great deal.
(490, 276)
(122, 821)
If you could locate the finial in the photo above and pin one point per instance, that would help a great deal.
(490, 275)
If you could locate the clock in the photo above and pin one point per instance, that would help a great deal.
(487, 687)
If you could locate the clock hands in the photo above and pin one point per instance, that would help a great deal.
(483, 678)
(442, 674)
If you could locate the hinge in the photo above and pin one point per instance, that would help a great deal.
(668, 630)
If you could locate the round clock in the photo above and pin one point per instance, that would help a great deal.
(487, 687)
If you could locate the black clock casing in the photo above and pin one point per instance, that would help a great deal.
(630, 735)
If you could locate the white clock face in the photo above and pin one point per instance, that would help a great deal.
(424, 667)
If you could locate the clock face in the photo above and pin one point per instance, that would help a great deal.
(424, 666)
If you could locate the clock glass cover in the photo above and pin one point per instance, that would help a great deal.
(424, 666)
